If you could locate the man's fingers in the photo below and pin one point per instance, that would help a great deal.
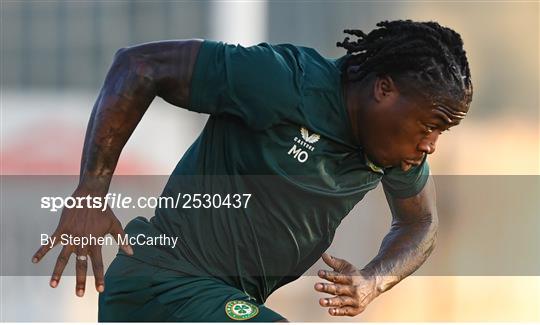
(117, 232)
(38, 255)
(339, 301)
(81, 266)
(97, 267)
(344, 311)
(334, 289)
(60, 265)
(335, 277)
(337, 264)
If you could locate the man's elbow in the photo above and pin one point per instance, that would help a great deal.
(433, 220)
(128, 54)
(120, 54)
(432, 224)
(133, 62)
(428, 226)
(123, 57)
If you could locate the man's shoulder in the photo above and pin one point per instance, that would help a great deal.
(281, 51)
(308, 53)
(319, 71)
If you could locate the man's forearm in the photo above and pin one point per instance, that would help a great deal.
(404, 249)
(125, 96)
(137, 76)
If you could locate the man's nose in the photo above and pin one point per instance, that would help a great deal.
(428, 144)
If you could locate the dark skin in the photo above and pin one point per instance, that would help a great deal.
(136, 77)
(395, 131)
(139, 74)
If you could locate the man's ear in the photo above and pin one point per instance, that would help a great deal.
(384, 89)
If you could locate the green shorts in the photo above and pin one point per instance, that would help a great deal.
(139, 292)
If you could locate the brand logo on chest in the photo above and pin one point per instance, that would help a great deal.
(303, 145)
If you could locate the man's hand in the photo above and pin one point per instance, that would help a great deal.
(83, 222)
(352, 289)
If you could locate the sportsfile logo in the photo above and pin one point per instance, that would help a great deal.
(305, 144)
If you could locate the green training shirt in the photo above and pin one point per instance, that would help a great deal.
(278, 130)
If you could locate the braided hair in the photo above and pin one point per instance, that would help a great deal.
(422, 57)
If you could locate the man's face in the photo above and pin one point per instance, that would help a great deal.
(401, 130)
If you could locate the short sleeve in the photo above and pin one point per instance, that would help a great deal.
(258, 83)
(405, 184)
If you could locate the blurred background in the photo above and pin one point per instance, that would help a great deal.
(54, 57)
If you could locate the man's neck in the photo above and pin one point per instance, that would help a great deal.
(352, 93)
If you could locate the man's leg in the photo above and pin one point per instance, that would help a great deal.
(136, 291)
(128, 293)
(206, 299)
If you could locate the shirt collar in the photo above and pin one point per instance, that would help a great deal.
(372, 166)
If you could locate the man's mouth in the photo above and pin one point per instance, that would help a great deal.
(413, 162)
(407, 164)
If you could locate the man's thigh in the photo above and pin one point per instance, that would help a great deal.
(136, 291)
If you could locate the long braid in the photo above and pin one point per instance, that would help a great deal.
(431, 55)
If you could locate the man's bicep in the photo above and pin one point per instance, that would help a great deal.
(168, 64)
(416, 208)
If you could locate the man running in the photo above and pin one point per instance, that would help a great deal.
(304, 137)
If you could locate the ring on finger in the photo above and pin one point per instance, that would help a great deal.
(82, 257)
